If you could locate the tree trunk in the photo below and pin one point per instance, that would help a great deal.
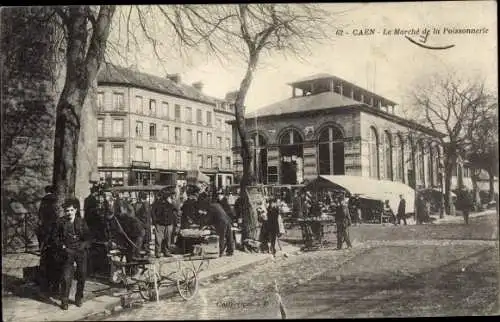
(248, 217)
(83, 60)
(448, 171)
(475, 191)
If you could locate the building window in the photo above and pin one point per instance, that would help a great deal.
(139, 153)
(209, 161)
(331, 151)
(177, 135)
(139, 105)
(228, 162)
(118, 153)
(189, 115)
(152, 107)
(118, 102)
(189, 137)
(165, 133)
(228, 143)
(165, 158)
(388, 155)
(139, 127)
(199, 117)
(100, 127)
(209, 118)
(118, 128)
(218, 123)
(209, 140)
(177, 112)
(200, 161)
(373, 144)
(219, 142)
(189, 161)
(100, 101)
(100, 155)
(399, 158)
(219, 162)
(164, 107)
(178, 159)
(152, 157)
(199, 140)
(152, 131)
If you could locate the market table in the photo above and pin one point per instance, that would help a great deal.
(308, 225)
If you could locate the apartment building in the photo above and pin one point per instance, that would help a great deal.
(152, 130)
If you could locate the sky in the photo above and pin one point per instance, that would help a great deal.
(389, 65)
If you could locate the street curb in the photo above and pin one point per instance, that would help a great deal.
(168, 292)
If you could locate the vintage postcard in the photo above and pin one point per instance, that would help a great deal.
(250, 161)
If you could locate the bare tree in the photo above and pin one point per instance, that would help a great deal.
(455, 107)
(249, 31)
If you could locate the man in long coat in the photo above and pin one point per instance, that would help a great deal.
(214, 215)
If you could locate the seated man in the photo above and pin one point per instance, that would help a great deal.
(127, 232)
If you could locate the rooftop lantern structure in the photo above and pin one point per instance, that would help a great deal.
(324, 82)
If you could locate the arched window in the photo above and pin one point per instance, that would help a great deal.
(388, 155)
(259, 158)
(373, 144)
(399, 158)
(331, 151)
(290, 137)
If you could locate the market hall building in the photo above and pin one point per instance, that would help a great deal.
(330, 126)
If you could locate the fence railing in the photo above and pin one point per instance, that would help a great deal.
(19, 232)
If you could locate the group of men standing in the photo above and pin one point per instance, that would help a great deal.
(65, 237)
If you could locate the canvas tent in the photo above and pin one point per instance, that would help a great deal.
(367, 188)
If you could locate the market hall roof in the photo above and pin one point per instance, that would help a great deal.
(113, 74)
(304, 103)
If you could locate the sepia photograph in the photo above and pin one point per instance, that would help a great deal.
(249, 161)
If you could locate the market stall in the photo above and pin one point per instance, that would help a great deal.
(373, 191)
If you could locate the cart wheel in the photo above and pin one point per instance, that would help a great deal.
(187, 283)
(147, 287)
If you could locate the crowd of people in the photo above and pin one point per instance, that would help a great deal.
(126, 222)
(129, 222)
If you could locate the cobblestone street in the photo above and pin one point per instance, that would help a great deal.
(412, 277)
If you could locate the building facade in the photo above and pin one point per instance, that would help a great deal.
(152, 130)
(332, 127)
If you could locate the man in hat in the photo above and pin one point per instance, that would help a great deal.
(164, 220)
(343, 221)
(214, 215)
(143, 213)
(189, 212)
(73, 239)
(91, 214)
(47, 215)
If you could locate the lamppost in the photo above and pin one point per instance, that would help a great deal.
(440, 178)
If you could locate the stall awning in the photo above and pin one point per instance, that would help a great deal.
(367, 188)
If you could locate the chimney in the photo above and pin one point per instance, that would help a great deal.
(174, 77)
(198, 86)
